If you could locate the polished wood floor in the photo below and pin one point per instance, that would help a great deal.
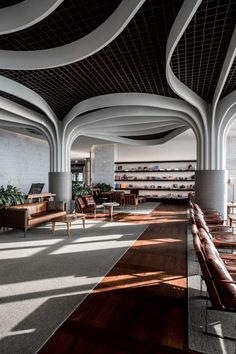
(141, 305)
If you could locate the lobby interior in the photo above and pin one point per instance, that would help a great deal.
(110, 84)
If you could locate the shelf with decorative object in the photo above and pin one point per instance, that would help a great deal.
(156, 179)
(160, 170)
(158, 189)
(155, 172)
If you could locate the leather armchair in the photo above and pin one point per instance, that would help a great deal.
(86, 204)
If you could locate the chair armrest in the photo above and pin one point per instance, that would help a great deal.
(224, 281)
(215, 228)
(210, 209)
(211, 213)
(14, 218)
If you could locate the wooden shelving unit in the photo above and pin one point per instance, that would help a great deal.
(128, 178)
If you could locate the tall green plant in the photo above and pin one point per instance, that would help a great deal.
(80, 189)
(11, 195)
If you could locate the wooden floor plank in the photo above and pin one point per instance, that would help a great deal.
(141, 304)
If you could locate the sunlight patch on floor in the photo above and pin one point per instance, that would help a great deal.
(44, 287)
(88, 246)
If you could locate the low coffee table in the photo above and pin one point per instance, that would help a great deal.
(68, 219)
(110, 206)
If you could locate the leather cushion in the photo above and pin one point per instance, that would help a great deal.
(44, 217)
(204, 235)
(79, 203)
(88, 199)
(219, 272)
(56, 205)
(201, 223)
(33, 207)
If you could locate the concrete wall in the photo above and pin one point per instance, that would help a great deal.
(102, 164)
(23, 160)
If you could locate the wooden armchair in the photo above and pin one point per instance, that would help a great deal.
(131, 199)
(117, 197)
(86, 204)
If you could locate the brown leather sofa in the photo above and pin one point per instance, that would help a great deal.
(25, 216)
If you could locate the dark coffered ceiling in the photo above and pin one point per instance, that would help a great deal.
(72, 20)
(230, 84)
(135, 60)
(200, 54)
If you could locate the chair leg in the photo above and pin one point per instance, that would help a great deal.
(201, 285)
(205, 331)
(206, 312)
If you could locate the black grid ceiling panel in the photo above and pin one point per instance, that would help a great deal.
(230, 84)
(72, 20)
(7, 3)
(133, 62)
(199, 56)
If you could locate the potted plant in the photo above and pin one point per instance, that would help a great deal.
(11, 195)
(104, 187)
(80, 189)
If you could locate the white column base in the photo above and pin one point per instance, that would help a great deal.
(211, 189)
(60, 183)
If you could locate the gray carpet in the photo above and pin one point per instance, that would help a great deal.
(222, 324)
(44, 277)
(143, 208)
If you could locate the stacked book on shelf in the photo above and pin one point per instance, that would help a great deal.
(175, 177)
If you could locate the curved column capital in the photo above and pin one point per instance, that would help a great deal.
(185, 15)
(19, 114)
(25, 14)
(119, 139)
(224, 105)
(225, 115)
(136, 129)
(77, 50)
(130, 105)
(128, 122)
(16, 89)
(85, 124)
(21, 91)
(126, 116)
(138, 100)
(25, 112)
(11, 119)
(143, 115)
(228, 62)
